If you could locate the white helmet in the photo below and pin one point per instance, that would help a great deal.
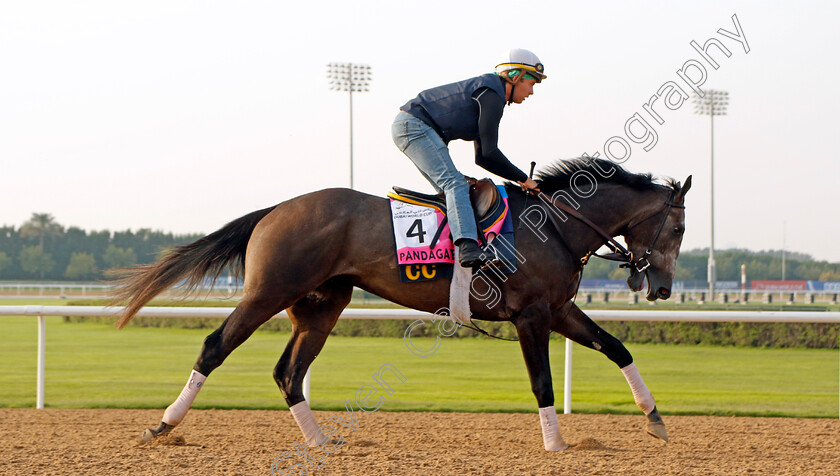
(523, 61)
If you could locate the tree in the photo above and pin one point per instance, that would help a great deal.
(82, 266)
(34, 260)
(683, 273)
(825, 276)
(618, 274)
(41, 225)
(5, 262)
(115, 257)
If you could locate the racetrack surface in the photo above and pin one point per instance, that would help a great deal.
(247, 442)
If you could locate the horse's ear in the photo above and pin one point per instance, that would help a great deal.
(684, 189)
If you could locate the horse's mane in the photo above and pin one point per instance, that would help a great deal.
(558, 175)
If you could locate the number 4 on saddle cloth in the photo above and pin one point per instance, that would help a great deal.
(424, 246)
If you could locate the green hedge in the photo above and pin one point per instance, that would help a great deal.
(747, 334)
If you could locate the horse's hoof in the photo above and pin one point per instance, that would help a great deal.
(558, 444)
(657, 430)
(332, 443)
(656, 427)
(148, 435)
(162, 429)
(560, 447)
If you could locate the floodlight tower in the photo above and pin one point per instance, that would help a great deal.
(352, 78)
(712, 103)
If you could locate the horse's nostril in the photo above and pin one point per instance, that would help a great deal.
(664, 293)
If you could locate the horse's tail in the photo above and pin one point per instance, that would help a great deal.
(206, 256)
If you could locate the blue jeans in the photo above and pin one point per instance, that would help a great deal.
(426, 149)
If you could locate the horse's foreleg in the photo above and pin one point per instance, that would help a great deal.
(313, 317)
(571, 322)
(241, 323)
(533, 331)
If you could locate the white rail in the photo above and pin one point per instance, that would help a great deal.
(601, 315)
(19, 287)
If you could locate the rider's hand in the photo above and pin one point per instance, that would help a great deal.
(529, 184)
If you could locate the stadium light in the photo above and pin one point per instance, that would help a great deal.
(352, 78)
(712, 103)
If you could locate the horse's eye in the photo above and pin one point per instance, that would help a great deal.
(678, 230)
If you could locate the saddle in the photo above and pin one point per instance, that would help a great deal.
(485, 198)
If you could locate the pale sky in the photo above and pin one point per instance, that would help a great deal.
(182, 116)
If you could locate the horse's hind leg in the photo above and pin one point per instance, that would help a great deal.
(242, 322)
(313, 317)
(571, 322)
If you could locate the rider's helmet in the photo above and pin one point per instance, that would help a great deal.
(519, 61)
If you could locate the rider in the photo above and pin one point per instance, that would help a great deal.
(468, 110)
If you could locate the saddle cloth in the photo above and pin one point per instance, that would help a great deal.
(424, 246)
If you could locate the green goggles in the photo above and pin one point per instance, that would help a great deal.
(525, 74)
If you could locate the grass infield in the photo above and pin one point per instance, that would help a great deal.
(92, 365)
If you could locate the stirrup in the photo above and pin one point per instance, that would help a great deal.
(495, 260)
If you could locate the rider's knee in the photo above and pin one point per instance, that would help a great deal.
(453, 181)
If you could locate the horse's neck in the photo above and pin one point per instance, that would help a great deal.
(612, 208)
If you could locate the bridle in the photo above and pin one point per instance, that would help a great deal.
(619, 252)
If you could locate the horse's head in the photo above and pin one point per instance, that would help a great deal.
(654, 238)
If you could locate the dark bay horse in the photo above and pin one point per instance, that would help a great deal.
(305, 255)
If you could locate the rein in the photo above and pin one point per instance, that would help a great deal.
(472, 325)
(619, 252)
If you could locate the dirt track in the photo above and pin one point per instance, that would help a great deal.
(247, 442)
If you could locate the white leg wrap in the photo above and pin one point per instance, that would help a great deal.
(307, 423)
(641, 394)
(175, 413)
(551, 430)
(459, 292)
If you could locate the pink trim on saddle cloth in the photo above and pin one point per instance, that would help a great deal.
(496, 227)
(415, 227)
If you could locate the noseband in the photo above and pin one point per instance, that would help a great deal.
(619, 252)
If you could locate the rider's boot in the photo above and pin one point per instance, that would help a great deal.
(470, 255)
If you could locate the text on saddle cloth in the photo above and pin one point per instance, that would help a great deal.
(422, 234)
(424, 247)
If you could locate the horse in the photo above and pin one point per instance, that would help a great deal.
(305, 256)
